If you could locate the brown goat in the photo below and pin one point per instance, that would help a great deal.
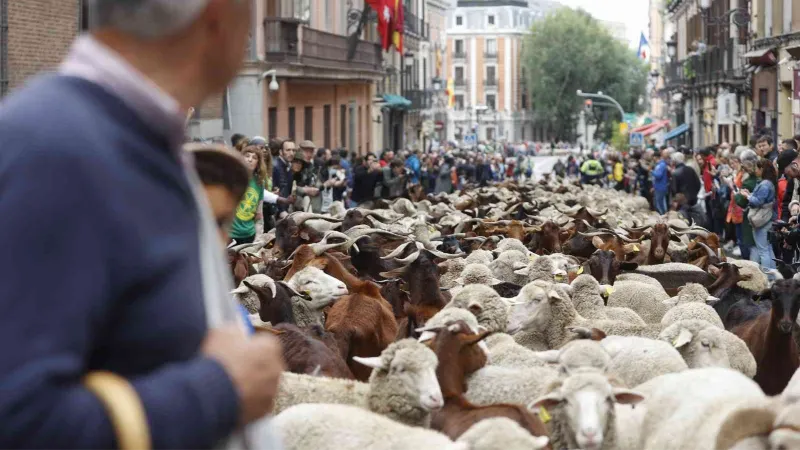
(311, 351)
(459, 355)
(769, 337)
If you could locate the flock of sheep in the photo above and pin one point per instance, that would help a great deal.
(540, 315)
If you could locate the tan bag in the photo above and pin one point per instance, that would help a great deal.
(124, 408)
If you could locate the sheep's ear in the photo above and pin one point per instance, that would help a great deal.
(520, 266)
(475, 338)
(684, 337)
(711, 300)
(627, 397)
(475, 308)
(548, 401)
(523, 271)
(375, 362)
(426, 336)
(540, 442)
(553, 296)
(598, 242)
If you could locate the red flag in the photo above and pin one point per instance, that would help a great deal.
(385, 17)
(399, 23)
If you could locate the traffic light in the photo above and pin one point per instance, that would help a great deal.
(587, 106)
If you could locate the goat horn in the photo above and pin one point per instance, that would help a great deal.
(598, 232)
(439, 254)
(537, 218)
(708, 250)
(698, 231)
(335, 234)
(300, 217)
(409, 259)
(320, 248)
(595, 213)
(397, 251)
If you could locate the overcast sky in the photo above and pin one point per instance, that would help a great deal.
(634, 13)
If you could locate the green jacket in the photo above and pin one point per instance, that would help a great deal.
(747, 230)
(244, 222)
(592, 168)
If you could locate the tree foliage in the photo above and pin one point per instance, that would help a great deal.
(569, 50)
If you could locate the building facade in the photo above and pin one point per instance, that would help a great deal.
(27, 47)
(484, 47)
(658, 53)
(707, 86)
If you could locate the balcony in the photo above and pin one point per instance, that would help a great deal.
(459, 55)
(672, 5)
(297, 50)
(460, 82)
(415, 25)
(717, 65)
(419, 99)
(490, 55)
(490, 83)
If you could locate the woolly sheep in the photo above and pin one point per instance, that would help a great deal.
(692, 293)
(453, 268)
(475, 273)
(496, 384)
(686, 334)
(403, 385)
(506, 263)
(692, 311)
(511, 244)
(644, 299)
(758, 280)
(480, 256)
(628, 276)
(485, 303)
(506, 352)
(635, 360)
(342, 427)
(449, 316)
(686, 409)
(582, 411)
(589, 303)
(247, 297)
(540, 269)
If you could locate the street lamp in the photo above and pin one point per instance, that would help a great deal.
(600, 95)
(672, 48)
(705, 4)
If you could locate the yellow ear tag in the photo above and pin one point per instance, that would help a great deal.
(675, 342)
(580, 270)
(609, 290)
(532, 257)
(635, 248)
(559, 277)
(544, 415)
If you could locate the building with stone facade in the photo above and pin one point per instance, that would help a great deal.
(484, 47)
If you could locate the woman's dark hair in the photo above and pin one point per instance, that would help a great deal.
(221, 167)
(784, 159)
(334, 161)
(320, 153)
(768, 171)
(236, 138)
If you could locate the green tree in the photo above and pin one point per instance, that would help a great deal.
(569, 50)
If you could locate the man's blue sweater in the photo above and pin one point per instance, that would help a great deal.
(100, 271)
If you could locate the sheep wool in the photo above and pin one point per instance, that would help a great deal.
(393, 395)
(511, 244)
(590, 305)
(500, 433)
(644, 299)
(480, 256)
(758, 280)
(636, 360)
(453, 271)
(690, 311)
(738, 355)
(506, 263)
(247, 297)
(506, 352)
(686, 409)
(485, 303)
(494, 384)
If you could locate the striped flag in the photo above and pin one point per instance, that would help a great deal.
(399, 23)
(644, 48)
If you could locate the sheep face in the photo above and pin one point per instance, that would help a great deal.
(413, 368)
(321, 287)
(531, 309)
(702, 349)
(587, 401)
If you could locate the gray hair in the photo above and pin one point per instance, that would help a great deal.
(676, 157)
(147, 19)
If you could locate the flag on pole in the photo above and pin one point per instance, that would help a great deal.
(385, 17)
(644, 48)
(399, 23)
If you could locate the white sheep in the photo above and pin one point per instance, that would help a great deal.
(586, 296)
(475, 273)
(485, 303)
(692, 311)
(704, 345)
(480, 256)
(641, 278)
(580, 411)
(506, 263)
(403, 385)
(692, 293)
(247, 297)
(452, 270)
(646, 300)
(686, 409)
(511, 244)
(343, 427)
(757, 281)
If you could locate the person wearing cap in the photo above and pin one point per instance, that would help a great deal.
(309, 184)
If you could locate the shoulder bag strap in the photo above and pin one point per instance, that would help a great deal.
(124, 408)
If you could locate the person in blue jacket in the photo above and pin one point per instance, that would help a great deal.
(661, 183)
(413, 164)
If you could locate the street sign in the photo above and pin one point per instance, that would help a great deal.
(470, 139)
(637, 140)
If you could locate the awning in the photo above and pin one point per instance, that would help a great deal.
(679, 130)
(396, 101)
(794, 51)
(651, 128)
(763, 57)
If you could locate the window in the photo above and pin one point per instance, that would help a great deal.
(326, 125)
(491, 47)
(84, 15)
(291, 123)
(524, 100)
(459, 21)
(459, 73)
(343, 125)
(491, 73)
(459, 44)
(308, 123)
(272, 122)
(490, 101)
(490, 134)
(459, 102)
(490, 19)
(763, 98)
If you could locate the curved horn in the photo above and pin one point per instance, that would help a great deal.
(710, 252)
(397, 251)
(536, 218)
(300, 217)
(410, 258)
(698, 231)
(439, 254)
(595, 213)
